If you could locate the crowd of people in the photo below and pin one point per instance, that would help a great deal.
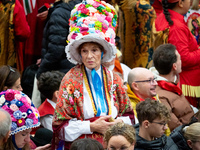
(112, 75)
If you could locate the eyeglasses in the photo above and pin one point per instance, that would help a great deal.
(151, 81)
(161, 123)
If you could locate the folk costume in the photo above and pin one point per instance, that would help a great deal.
(23, 113)
(46, 111)
(180, 36)
(87, 94)
(172, 97)
(14, 29)
(135, 31)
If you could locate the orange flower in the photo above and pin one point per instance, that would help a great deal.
(70, 89)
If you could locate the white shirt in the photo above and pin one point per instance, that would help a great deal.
(76, 128)
(46, 120)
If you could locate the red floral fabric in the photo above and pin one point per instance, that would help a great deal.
(70, 100)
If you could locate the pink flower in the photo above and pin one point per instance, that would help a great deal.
(85, 11)
(24, 100)
(81, 74)
(9, 95)
(18, 96)
(109, 19)
(104, 26)
(21, 122)
(6, 108)
(84, 29)
(95, 4)
(24, 108)
(17, 92)
(35, 121)
(14, 107)
(13, 118)
(31, 116)
(71, 100)
(74, 35)
(82, 6)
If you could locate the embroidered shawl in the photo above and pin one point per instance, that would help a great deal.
(70, 101)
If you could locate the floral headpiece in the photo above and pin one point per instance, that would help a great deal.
(23, 113)
(92, 21)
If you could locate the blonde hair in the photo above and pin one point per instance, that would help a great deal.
(121, 129)
(192, 132)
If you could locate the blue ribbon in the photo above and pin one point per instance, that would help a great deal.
(97, 84)
(61, 144)
(14, 143)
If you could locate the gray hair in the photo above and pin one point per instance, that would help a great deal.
(5, 123)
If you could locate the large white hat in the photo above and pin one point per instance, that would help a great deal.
(92, 21)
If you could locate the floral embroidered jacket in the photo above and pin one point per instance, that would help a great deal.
(70, 102)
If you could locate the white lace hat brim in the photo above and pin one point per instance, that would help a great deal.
(72, 48)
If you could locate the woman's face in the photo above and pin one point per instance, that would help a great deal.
(119, 142)
(91, 55)
(17, 85)
(22, 138)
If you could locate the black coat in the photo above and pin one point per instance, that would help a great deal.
(54, 38)
(162, 143)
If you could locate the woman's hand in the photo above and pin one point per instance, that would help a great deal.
(45, 147)
(101, 125)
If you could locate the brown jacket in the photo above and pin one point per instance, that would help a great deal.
(179, 107)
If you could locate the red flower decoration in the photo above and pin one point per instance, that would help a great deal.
(85, 11)
(82, 6)
(107, 39)
(20, 122)
(9, 95)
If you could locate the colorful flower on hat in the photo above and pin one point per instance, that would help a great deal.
(24, 108)
(29, 122)
(14, 101)
(2, 99)
(31, 116)
(20, 122)
(29, 111)
(6, 108)
(35, 120)
(95, 4)
(18, 96)
(24, 115)
(13, 126)
(13, 118)
(23, 99)
(9, 95)
(17, 114)
(14, 107)
(19, 103)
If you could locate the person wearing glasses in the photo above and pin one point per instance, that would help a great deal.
(141, 85)
(10, 78)
(167, 62)
(153, 117)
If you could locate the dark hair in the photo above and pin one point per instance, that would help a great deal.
(86, 144)
(164, 57)
(151, 110)
(166, 5)
(49, 82)
(8, 76)
(99, 45)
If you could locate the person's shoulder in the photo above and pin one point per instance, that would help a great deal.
(170, 144)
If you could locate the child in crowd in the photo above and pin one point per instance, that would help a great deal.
(48, 85)
(153, 117)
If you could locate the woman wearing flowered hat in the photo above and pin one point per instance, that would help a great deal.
(91, 98)
(24, 117)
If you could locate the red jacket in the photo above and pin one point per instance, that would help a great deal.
(186, 45)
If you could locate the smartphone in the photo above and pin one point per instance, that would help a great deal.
(42, 8)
